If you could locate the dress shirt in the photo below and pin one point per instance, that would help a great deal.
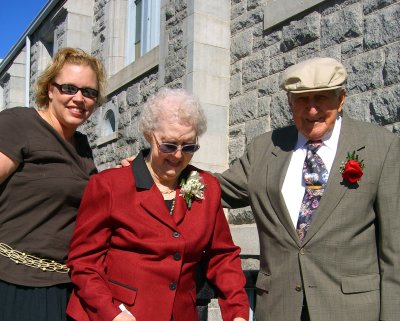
(293, 187)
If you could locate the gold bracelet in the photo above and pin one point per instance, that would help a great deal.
(32, 261)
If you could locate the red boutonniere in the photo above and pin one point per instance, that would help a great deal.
(352, 169)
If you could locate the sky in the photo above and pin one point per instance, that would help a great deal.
(16, 16)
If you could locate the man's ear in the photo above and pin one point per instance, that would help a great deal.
(341, 101)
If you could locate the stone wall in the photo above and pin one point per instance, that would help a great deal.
(364, 35)
(175, 64)
(127, 101)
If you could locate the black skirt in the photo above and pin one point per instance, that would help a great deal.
(23, 303)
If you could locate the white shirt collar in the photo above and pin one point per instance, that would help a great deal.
(330, 139)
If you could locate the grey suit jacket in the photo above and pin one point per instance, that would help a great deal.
(348, 267)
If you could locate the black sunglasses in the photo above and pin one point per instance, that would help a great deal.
(69, 89)
(169, 148)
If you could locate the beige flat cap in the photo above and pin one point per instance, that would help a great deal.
(314, 74)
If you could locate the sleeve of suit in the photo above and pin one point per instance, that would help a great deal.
(387, 207)
(87, 251)
(234, 182)
(225, 272)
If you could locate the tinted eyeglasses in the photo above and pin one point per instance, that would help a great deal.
(169, 148)
(69, 89)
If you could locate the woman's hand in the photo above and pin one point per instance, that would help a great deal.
(123, 316)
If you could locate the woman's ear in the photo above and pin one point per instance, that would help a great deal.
(50, 89)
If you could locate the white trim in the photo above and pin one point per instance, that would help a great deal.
(27, 69)
(131, 32)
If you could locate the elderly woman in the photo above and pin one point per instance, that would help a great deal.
(142, 230)
(44, 167)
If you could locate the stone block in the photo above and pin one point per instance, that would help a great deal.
(268, 85)
(281, 115)
(241, 45)
(365, 72)
(133, 95)
(391, 69)
(357, 106)
(245, 21)
(372, 5)
(243, 108)
(211, 89)
(238, 9)
(384, 105)
(352, 48)
(333, 51)
(264, 109)
(256, 67)
(218, 9)
(382, 27)
(394, 128)
(309, 49)
(256, 127)
(266, 39)
(235, 88)
(208, 30)
(237, 130)
(342, 25)
(208, 58)
(214, 144)
(299, 33)
(246, 236)
(240, 216)
(174, 68)
(236, 148)
(281, 62)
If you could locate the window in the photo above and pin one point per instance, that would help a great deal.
(143, 27)
(109, 123)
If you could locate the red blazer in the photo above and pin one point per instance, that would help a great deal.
(128, 249)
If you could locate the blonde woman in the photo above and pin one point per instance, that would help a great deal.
(45, 165)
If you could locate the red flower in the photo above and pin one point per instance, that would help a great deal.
(352, 171)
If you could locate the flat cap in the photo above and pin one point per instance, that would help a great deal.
(315, 74)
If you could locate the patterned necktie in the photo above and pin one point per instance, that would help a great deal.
(315, 177)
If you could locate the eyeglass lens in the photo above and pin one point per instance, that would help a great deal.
(70, 89)
(171, 148)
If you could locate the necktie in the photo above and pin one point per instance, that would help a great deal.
(315, 177)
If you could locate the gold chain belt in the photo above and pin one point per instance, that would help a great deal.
(32, 261)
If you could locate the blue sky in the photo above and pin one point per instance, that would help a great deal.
(15, 17)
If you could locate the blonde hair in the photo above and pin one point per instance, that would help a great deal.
(69, 56)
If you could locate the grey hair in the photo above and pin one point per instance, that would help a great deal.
(184, 108)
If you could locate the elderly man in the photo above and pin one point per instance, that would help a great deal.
(325, 196)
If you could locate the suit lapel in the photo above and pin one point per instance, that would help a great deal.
(180, 208)
(276, 170)
(154, 204)
(335, 189)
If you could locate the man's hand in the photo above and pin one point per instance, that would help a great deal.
(126, 162)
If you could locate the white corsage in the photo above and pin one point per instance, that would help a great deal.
(192, 188)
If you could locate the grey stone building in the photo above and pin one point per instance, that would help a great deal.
(229, 53)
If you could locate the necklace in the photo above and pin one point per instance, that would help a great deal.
(171, 211)
(166, 192)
